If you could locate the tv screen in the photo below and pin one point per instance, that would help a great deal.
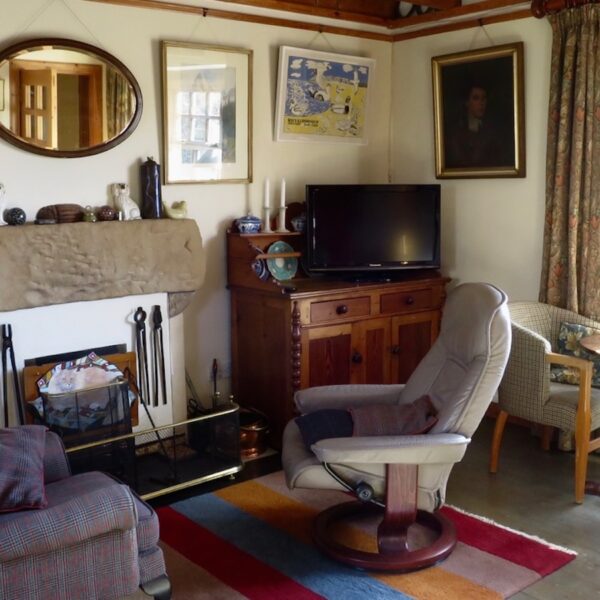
(363, 228)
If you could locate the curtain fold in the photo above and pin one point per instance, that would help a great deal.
(571, 258)
(120, 103)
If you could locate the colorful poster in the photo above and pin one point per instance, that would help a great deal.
(322, 96)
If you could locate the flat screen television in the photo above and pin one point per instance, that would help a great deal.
(378, 229)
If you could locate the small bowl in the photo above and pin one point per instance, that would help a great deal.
(248, 224)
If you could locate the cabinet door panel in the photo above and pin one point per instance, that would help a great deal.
(411, 339)
(370, 357)
(329, 358)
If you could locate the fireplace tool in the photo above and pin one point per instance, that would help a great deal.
(159, 356)
(8, 350)
(141, 347)
(142, 391)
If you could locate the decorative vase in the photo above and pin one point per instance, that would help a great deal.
(152, 206)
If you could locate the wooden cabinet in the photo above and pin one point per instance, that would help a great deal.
(305, 332)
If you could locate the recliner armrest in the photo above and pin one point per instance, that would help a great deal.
(406, 449)
(346, 396)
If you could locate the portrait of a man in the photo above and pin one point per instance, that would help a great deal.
(477, 103)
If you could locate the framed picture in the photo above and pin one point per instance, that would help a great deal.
(479, 113)
(2, 94)
(322, 97)
(207, 113)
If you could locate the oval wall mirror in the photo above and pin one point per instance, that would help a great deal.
(65, 98)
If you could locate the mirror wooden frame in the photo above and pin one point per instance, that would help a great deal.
(67, 44)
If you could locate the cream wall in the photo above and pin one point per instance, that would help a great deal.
(133, 35)
(491, 228)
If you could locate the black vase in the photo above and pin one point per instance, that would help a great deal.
(151, 194)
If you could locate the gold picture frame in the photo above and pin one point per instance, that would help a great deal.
(479, 113)
(207, 113)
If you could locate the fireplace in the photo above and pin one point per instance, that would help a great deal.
(77, 285)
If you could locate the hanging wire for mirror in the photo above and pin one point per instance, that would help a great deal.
(476, 33)
(203, 19)
(48, 4)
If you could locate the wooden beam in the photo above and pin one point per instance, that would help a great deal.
(459, 11)
(466, 24)
(426, 19)
(315, 11)
(237, 16)
(439, 4)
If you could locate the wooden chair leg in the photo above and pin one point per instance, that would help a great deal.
(546, 437)
(582, 448)
(497, 440)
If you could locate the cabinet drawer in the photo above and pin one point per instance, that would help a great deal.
(335, 310)
(406, 301)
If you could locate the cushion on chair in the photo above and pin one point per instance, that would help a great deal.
(569, 338)
(22, 467)
(413, 418)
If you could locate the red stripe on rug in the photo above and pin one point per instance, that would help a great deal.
(512, 546)
(236, 568)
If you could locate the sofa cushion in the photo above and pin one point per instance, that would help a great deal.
(22, 467)
(569, 343)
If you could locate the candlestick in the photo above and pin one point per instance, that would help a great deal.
(281, 221)
(282, 192)
(266, 206)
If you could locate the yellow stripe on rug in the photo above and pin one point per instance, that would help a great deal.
(296, 518)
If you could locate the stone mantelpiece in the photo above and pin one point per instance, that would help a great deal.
(42, 265)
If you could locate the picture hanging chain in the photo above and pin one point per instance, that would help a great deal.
(203, 18)
(485, 31)
(320, 33)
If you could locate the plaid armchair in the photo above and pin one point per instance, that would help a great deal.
(526, 390)
(95, 539)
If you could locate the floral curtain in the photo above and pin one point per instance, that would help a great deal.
(571, 260)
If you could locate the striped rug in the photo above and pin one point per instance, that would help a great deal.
(252, 540)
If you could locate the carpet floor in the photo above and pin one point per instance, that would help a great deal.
(253, 540)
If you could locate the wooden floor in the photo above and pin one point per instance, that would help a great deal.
(533, 492)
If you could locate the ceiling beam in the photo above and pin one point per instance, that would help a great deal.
(439, 21)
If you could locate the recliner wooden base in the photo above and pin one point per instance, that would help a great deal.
(388, 558)
(399, 515)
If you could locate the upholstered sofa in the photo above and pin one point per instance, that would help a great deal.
(94, 539)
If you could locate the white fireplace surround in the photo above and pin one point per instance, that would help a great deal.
(80, 304)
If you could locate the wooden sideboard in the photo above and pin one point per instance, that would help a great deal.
(307, 332)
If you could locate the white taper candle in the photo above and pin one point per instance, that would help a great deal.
(266, 205)
(282, 192)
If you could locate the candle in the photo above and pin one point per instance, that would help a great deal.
(282, 193)
(267, 193)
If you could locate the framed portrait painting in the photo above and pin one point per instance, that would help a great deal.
(322, 97)
(479, 113)
(207, 113)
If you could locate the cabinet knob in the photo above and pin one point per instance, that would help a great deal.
(357, 357)
(342, 309)
(395, 349)
(410, 300)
